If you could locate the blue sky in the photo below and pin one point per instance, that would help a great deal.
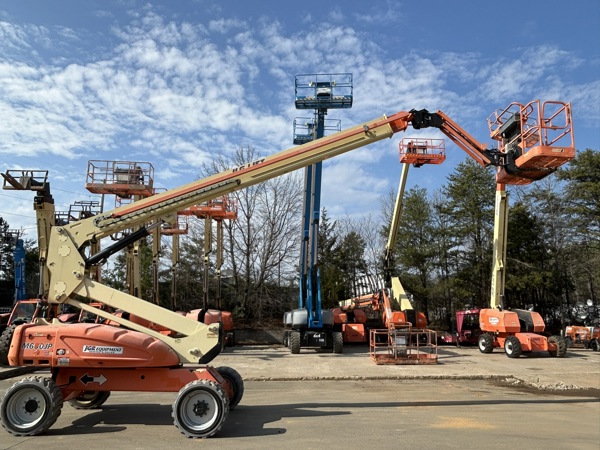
(175, 82)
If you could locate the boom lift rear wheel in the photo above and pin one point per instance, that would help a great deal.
(30, 406)
(200, 409)
(512, 347)
(295, 342)
(5, 339)
(338, 341)
(561, 346)
(486, 343)
(90, 399)
(235, 382)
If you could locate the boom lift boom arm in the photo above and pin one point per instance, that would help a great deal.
(69, 267)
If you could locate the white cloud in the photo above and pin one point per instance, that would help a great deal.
(177, 92)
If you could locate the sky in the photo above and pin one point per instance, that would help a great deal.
(175, 83)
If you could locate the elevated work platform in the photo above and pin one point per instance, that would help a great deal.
(305, 129)
(537, 136)
(403, 345)
(324, 91)
(418, 151)
(25, 180)
(78, 211)
(219, 209)
(180, 227)
(121, 178)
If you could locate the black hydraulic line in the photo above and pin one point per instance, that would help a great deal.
(119, 245)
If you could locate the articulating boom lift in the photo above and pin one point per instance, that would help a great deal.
(92, 358)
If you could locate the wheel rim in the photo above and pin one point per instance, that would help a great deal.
(26, 408)
(87, 397)
(509, 347)
(199, 410)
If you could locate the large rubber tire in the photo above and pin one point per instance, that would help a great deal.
(512, 347)
(286, 338)
(569, 342)
(200, 409)
(5, 340)
(595, 345)
(561, 346)
(237, 384)
(90, 400)
(486, 343)
(30, 406)
(295, 342)
(338, 342)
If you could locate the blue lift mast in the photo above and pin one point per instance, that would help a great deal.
(318, 92)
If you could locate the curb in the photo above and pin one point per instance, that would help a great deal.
(10, 372)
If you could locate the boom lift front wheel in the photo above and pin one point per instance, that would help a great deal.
(200, 409)
(338, 341)
(30, 406)
(512, 347)
(486, 343)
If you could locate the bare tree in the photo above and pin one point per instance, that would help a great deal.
(262, 244)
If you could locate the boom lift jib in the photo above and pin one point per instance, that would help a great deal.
(138, 358)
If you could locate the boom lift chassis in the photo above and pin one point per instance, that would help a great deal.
(91, 360)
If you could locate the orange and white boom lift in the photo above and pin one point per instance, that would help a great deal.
(89, 358)
(390, 301)
(537, 137)
(417, 152)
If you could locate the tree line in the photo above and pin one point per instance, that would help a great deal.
(443, 254)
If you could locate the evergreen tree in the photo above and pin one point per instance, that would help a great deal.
(415, 247)
(470, 209)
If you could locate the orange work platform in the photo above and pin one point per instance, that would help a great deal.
(221, 208)
(403, 345)
(420, 151)
(121, 178)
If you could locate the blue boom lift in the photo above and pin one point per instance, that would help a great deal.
(310, 325)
